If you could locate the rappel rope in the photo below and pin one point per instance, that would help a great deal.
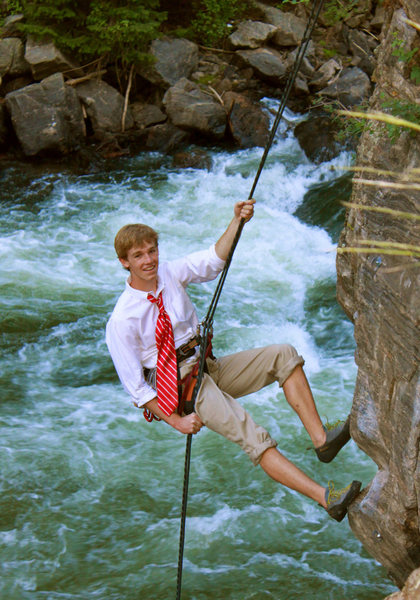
(207, 323)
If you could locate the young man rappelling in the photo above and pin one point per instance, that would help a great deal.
(152, 338)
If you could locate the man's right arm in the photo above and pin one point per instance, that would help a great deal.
(186, 424)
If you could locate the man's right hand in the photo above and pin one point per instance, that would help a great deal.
(187, 424)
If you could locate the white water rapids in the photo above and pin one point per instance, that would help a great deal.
(90, 492)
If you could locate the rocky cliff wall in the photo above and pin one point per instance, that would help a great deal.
(380, 293)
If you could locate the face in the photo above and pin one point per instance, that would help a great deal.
(143, 262)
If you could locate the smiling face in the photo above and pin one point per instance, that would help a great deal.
(142, 261)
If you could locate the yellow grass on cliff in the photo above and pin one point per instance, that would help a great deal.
(379, 116)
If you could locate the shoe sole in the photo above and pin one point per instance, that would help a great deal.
(329, 451)
(339, 512)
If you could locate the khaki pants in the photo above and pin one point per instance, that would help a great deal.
(237, 375)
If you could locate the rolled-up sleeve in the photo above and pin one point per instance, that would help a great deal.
(123, 347)
(197, 267)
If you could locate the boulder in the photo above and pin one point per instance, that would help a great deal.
(4, 130)
(251, 34)
(352, 87)
(12, 57)
(290, 32)
(248, 124)
(306, 68)
(268, 64)
(166, 137)
(210, 68)
(145, 115)
(192, 159)
(47, 117)
(325, 75)
(378, 20)
(300, 86)
(104, 106)
(289, 27)
(10, 27)
(11, 85)
(317, 138)
(46, 59)
(174, 59)
(192, 109)
(412, 8)
(411, 589)
(361, 46)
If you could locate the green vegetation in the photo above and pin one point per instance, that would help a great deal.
(338, 10)
(295, 1)
(118, 29)
(121, 30)
(328, 52)
(214, 17)
(403, 109)
(406, 56)
(400, 50)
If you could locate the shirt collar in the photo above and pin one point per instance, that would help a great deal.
(140, 293)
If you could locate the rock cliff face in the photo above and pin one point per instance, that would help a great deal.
(380, 293)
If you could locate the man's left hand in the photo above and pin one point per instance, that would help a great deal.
(244, 210)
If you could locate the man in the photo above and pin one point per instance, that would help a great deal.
(155, 311)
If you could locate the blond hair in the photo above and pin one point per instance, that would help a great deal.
(133, 235)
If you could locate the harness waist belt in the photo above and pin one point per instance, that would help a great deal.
(183, 352)
(188, 349)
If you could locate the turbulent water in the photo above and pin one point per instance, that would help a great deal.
(90, 492)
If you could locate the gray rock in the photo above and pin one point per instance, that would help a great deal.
(325, 75)
(104, 106)
(145, 115)
(410, 590)
(412, 9)
(268, 64)
(4, 130)
(46, 59)
(290, 33)
(174, 59)
(300, 86)
(289, 27)
(251, 34)
(316, 137)
(380, 293)
(379, 18)
(11, 85)
(192, 109)
(361, 46)
(12, 57)
(47, 117)
(10, 26)
(192, 159)
(306, 68)
(352, 87)
(248, 124)
(166, 137)
(310, 55)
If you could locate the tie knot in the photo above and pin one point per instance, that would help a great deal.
(158, 300)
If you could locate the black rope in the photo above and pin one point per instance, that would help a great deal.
(207, 324)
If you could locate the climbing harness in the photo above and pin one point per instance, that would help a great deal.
(207, 324)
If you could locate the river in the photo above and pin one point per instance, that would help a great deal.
(91, 492)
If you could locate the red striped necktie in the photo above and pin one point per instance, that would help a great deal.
(166, 372)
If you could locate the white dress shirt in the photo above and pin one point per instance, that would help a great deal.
(130, 331)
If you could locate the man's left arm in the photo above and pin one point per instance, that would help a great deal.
(242, 210)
